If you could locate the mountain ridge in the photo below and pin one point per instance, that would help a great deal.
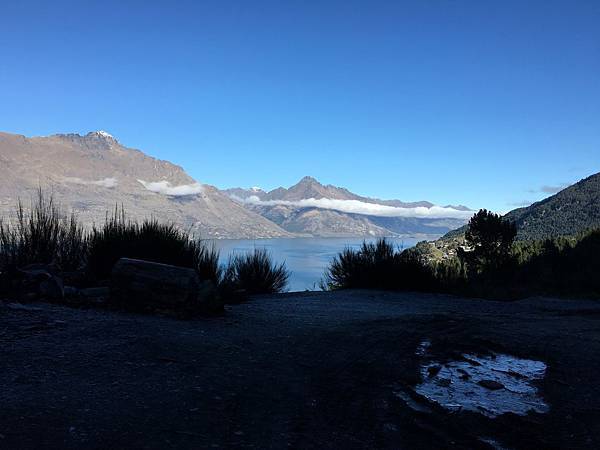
(92, 173)
(325, 210)
(571, 211)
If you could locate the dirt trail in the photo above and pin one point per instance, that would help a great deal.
(311, 370)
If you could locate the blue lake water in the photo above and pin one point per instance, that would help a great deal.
(306, 258)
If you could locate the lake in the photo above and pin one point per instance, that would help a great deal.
(306, 258)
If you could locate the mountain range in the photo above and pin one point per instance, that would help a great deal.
(91, 174)
(310, 207)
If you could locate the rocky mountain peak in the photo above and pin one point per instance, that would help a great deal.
(308, 180)
(101, 136)
(92, 139)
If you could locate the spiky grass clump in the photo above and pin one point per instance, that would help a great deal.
(376, 265)
(370, 266)
(43, 235)
(255, 273)
(150, 241)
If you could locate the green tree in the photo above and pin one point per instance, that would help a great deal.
(489, 240)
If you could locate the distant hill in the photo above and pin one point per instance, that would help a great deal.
(571, 211)
(315, 209)
(91, 174)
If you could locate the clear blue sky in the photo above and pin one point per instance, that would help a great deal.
(476, 102)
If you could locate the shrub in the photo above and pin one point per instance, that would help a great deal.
(377, 265)
(565, 266)
(370, 266)
(151, 241)
(255, 273)
(43, 235)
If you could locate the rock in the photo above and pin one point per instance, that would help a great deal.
(95, 295)
(71, 292)
(464, 375)
(432, 371)
(52, 269)
(444, 382)
(147, 285)
(492, 385)
(52, 288)
(38, 280)
(75, 278)
(95, 292)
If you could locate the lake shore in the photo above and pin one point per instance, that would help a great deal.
(298, 370)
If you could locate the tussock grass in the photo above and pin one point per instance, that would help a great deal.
(255, 273)
(150, 241)
(42, 234)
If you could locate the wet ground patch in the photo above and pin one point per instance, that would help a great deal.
(491, 385)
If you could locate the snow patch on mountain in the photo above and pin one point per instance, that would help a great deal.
(103, 134)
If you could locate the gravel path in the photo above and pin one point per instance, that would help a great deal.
(305, 370)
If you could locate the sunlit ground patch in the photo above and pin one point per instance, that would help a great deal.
(490, 385)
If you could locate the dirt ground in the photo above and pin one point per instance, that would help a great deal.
(307, 370)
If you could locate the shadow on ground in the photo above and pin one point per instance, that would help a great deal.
(314, 370)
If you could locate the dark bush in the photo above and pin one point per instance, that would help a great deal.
(377, 265)
(371, 266)
(562, 266)
(567, 266)
(255, 273)
(150, 241)
(43, 235)
(490, 238)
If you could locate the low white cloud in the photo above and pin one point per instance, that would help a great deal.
(553, 189)
(105, 182)
(547, 189)
(370, 209)
(522, 204)
(166, 188)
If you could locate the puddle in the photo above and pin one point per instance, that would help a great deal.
(489, 385)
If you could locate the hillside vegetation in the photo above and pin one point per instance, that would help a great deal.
(571, 211)
(488, 263)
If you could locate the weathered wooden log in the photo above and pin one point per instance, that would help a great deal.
(148, 285)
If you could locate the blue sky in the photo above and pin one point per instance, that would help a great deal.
(488, 104)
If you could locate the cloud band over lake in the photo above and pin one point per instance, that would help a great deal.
(364, 208)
